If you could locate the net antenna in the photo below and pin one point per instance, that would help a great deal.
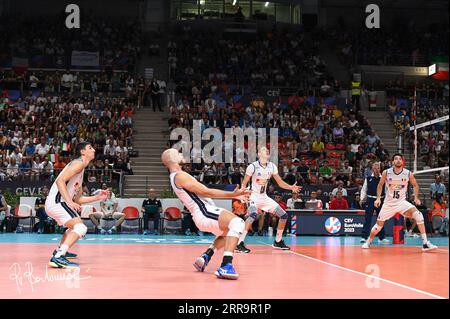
(414, 128)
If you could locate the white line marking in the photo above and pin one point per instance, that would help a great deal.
(363, 274)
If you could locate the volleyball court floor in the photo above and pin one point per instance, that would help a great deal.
(137, 266)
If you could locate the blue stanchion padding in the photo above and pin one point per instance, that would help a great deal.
(330, 100)
(237, 97)
(14, 95)
(230, 187)
(311, 100)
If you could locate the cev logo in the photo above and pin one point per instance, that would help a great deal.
(332, 225)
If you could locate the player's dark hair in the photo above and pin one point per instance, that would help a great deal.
(397, 154)
(80, 147)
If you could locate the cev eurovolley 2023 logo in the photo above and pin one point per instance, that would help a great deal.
(332, 225)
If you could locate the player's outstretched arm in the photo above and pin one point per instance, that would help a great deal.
(184, 180)
(415, 185)
(380, 189)
(246, 180)
(248, 174)
(285, 185)
(102, 195)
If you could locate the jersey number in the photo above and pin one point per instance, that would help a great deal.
(263, 189)
(396, 194)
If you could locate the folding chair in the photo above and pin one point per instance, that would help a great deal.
(173, 217)
(24, 211)
(131, 214)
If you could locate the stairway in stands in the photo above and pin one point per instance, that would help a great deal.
(150, 133)
(157, 63)
(384, 127)
(334, 65)
(149, 139)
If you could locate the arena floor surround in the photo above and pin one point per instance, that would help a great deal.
(137, 266)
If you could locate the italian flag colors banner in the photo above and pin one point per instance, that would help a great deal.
(53, 158)
(19, 63)
(65, 147)
(441, 62)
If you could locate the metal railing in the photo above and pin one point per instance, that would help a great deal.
(63, 62)
(52, 87)
(391, 59)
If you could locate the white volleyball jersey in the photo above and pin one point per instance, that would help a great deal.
(191, 200)
(261, 175)
(396, 185)
(73, 186)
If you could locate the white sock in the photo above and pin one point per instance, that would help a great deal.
(228, 253)
(279, 235)
(113, 228)
(424, 238)
(243, 235)
(213, 248)
(62, 250)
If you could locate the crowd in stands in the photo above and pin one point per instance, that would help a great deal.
(395, 45)
(141, 91)
(318, 142)
(281, 57)
(439, 206)
(217, 80)
(39, 132)
(68, 81)
(431, 103)
(48, 43)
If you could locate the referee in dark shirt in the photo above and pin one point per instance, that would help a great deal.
(40, 210)
(151, 200)
(369, 195)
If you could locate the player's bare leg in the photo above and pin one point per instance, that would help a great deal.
(96, 220)
(280, 228)
(279, 243)
(261, 220)
(232, 227)
(202, 261)
(375, 230)
(252, 216)
(418, 217)
(64, 237)
(409, 232)
(119, 217)
(68, 255)
(74, 234)
(77, 230)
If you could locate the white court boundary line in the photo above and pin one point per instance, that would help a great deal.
(363, 274)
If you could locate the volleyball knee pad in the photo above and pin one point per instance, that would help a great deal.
(236, 227)
(80, 229)
(252, 211)
(280, 212)
(418, 217)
